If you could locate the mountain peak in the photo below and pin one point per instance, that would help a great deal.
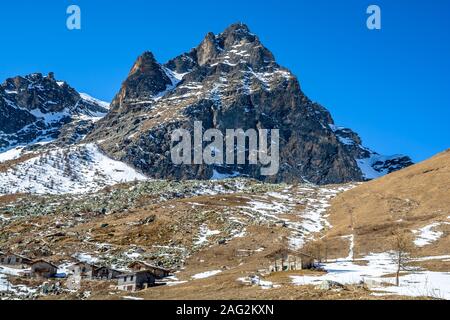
(208, 49)
(238, 27)
(51, 76)
(144, 63)
(146, 79)
(236, 33)
(230, 80)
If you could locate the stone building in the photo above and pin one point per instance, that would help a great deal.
(11, 259)
(105, 273)
(82, 269)
(287, 260)
(135, 281)
(92, 272)
(43, 269)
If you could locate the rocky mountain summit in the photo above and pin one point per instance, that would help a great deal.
(37, 108)
(231, 81)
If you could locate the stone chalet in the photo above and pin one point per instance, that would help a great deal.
(43, 269)
(11, 259)
(135, 281)
(92, 272)
(287, 260)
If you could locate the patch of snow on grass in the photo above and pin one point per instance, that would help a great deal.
(421, 284)
(131, 298)
(256, 280)
(416, 284)
(351, 238)
(12, 271)
(205, 233)
(132, 255)
(426, 235)
(206, 274)
(7, 287)
(173, 281)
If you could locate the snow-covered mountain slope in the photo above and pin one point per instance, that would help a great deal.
(371, 164)
(78, 169)
(87, 97)
(35, 109)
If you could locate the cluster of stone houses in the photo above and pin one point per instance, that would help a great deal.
(142, 275)
(92, 272)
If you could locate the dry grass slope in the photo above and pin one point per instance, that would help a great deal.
(409, 199)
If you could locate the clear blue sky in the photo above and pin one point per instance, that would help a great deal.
(391, 86)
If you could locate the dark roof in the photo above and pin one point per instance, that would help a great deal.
(99, 268)
(148, 265)
(84, 263)
(40, 260)
(14, 254)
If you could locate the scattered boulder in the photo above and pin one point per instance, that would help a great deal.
(329, 285)
(150, 219)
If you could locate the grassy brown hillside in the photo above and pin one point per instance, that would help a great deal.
(218, 236)
(410, 199)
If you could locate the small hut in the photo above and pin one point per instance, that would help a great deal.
(43, 269)
(135, 281)
(12, 259)
(288, 260)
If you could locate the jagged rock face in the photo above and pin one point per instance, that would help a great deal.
(34, 108)
(145, 80)
(230, 81)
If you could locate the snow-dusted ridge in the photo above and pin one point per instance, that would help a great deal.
(89, 98)
(78, 169)
(371, 164)
(37, 108)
